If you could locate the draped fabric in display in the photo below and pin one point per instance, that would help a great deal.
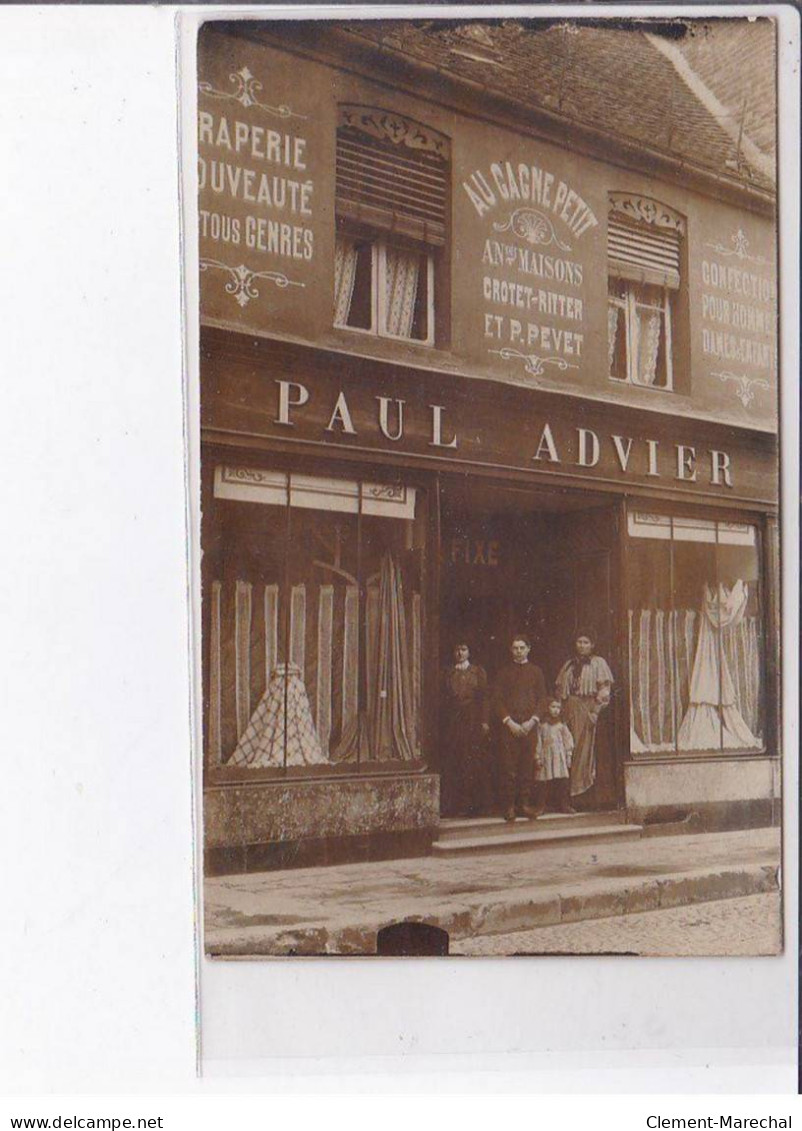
(263, 741)
(323, 721)
(674, 675)
(388, 728)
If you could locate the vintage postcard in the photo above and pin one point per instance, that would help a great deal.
(489, 486)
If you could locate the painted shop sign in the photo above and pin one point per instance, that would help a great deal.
(532, 299)
(738, 316)
(539, 443)
(462, 550)
(257, 179)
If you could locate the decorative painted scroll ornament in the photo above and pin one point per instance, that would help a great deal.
(246, 92)
(240, 284)
(533, 227)
(744, 386)
(386, 126)
(533, 364)
(740, 247)
(644, 210)
(385, 491)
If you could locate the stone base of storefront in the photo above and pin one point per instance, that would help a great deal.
(703, 795)
(262, 826)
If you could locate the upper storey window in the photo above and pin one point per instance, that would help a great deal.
(644, 246)
(392, 197)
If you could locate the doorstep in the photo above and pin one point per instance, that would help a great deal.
(461, 836)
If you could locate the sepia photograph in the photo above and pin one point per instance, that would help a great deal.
(489, 486)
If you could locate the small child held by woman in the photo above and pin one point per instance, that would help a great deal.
(555, 746)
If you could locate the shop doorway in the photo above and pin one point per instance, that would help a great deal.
(541, 563)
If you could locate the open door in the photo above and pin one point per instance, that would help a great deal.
(572, 590)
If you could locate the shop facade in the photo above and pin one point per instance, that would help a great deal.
(461, 380)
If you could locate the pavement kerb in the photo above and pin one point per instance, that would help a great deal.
(520, 910)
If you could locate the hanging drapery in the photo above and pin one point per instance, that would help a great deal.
(612, 333)
(262, 742)
(713, 718)
(387, 729)
(345, 259)
(662, 651)
(741, 644)
(401, 271)
(647, 335)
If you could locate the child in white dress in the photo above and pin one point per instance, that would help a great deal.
(555, 746)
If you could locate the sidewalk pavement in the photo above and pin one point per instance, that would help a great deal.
(338, 910)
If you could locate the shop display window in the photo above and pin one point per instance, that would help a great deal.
(315, 633)
(695, 635)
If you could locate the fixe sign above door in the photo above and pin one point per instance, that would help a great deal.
(469, 434)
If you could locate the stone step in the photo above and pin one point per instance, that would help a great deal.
(457, 828)
(534, 834)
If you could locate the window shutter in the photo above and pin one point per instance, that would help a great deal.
(643, 241)
(392, 174)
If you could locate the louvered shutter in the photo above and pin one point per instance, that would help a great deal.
(643, 254)
(391, 186)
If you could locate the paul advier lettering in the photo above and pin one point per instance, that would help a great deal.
(580, 447)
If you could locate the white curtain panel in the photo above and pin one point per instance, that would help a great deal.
(345, 257)
(401, 271)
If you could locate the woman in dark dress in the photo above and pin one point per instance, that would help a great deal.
(464, 780)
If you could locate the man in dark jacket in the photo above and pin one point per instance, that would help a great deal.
(519, 698)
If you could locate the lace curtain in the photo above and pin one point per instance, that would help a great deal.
(664, 657)
(646, 339)
(345, 257)
(401, 273)
(612, 333)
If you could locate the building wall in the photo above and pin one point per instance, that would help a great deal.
(490, 398)
(729, 250)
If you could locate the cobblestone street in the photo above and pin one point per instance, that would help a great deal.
(728, 926)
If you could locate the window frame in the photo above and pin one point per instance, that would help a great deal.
(673, 512)
(222, 773)
(379, 243)
(629, 305)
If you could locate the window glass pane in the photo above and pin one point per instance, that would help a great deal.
(694, 530)
(648, 335)
(652, 648)
(316, 643)
(420, 317)
(641, 525)
(247, 638)
(617, 330)
(360, 309)
(392, 560)
(695, 635)
(694, 585)
(324, 644)
(404, 272)
(741, 639)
